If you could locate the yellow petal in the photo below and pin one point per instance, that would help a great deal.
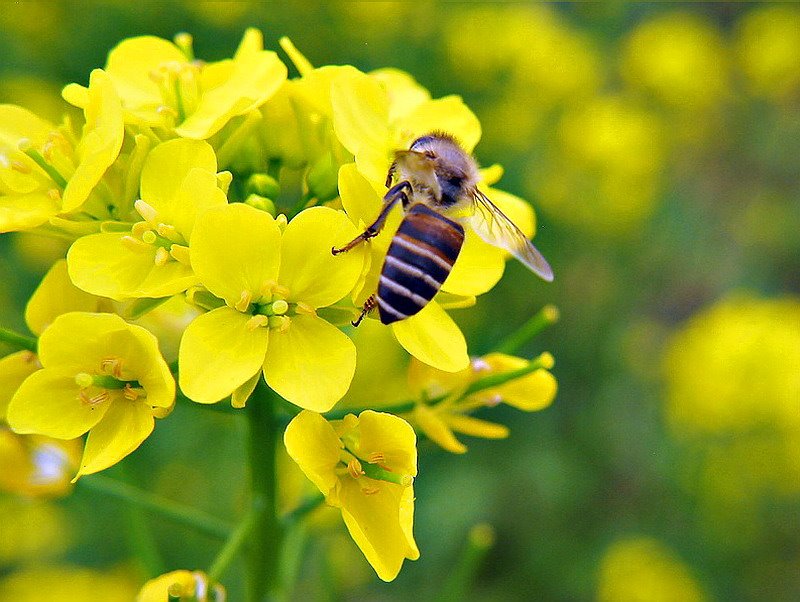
(54, 296)
(360, 111)
(475, 427)
(448, 114)
(378, 525)
(235, 248)
(79, 341)
(432, 337)
(404, 93)
(198, 191)
(48, 403)
(437, 430)
(123, 428)
(167, 166)
(478, 268)
(25, 211)
(219, 353)
(14, 369)
(308, 268)
(532, 392)
(311, 442)
(392, 437)
(102, 264)
(243, 392)
(311, 364)
(101, 140)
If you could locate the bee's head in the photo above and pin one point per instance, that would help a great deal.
(455, 170)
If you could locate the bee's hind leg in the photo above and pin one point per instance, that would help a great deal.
(398, 192)
(370, 304)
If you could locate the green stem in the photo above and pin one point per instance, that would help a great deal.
(233, 545)
(186, 515)
(263, 572)
(308, 505)
(545, 317)
(479, 541)
(48, 169)
(18, 340)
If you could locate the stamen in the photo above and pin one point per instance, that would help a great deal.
(257, 321)
(180, 253)
(370, 490)
(279, 323)
(162, 256)
(112, 366)
(54, 194)
(93, 401)
(305, 308)
(245, 299)
(166, 110)
(376, 458)
(168, 231)
(20, 167)
(480, 365)
(130, 393)
(134, 244)
(147, 211)
(140, 228)
(354, 468)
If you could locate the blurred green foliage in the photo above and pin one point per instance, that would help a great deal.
(660, 145)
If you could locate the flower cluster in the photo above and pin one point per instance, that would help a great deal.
(222, 187)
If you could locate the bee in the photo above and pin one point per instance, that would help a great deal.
(433, 178)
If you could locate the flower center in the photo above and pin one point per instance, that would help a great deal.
(95, 389)
(179, 85)
(169, 244)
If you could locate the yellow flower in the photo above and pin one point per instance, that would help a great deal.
(768, 50)
(178, 182)
(445, 399)
(680, 59)
(181, 585)
(431, 335)
(101, 375)
(364, 465)
(161, 87)
(644, 569)
(604, 171)
(43, 173)
(34, 465)
(68, 584)
(272, 284)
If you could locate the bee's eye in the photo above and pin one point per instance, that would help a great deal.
(455, 180)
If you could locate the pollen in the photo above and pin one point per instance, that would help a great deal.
(370, 490)
(354, 468)
(376, 458)
(147, 211)
(130, 393)
(257, 321)
(162, 256)
(20, 167)
(245, 299)
(95, 399)
(54, 194)
(168, 231)
(134, 244)
(305, 308)
(180, 253)
(112, 366)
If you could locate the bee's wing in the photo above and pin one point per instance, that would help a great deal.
(494, 227)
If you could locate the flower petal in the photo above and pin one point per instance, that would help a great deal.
(478, 268)
(360, 111)
(219, 353)
(24, 211)
(436, 429)
(432, 337)
(47, 403)
(123, 428)
(236, 248)
(311, 442)
(390, 435)
(101, 140)
(532, 392)
(79, 341)
(308, 268)
(167, 166)
(102, 264)
(448, 114)
(475, 427)
(54, 296)
(380, 524)
(311, 364)
(14, 369)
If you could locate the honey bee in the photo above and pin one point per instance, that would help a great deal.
(433, 178)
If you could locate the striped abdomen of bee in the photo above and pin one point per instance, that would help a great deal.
(419, 259)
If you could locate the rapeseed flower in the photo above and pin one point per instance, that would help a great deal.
(445, 399)
(44, 172)
(364, 465)
(37, 466)
(151, 258)
(270, 285)
(99, 375)
(162, 87)
(179, 586)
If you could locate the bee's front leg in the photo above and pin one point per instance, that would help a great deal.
(398, 192)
